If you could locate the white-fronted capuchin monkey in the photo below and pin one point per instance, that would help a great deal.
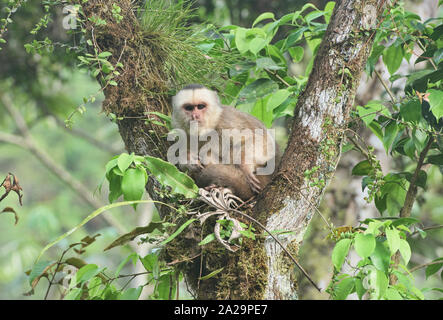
(225, 146)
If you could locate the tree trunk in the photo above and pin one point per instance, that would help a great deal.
(260, 269)
(314, 146)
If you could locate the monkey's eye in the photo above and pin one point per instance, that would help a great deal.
(188, 107)
(201, 106)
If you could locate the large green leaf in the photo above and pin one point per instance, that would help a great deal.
(436, 101)
(131, 293)
(257, 89)
(170, 176)
(263, 16)
(392, 58)
(364, 244)
(381, 257)
(393, 237)
(124, 161)
(344, 288)
(276, 99)
(133, 184)
(340, 252)
(411, 111)
(87, 272)
(362, 168)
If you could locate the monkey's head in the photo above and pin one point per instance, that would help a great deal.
(196, 103)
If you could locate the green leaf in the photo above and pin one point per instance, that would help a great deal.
(409, 149)
(178, 231)
(86, 273)
(124, 161)
(364, 244)
(392, 57)
(257, 89)
(436, 159)
(433, 268)
(381, 257)
(240, 40)
(370, 111)
(295, 36)
(276, 99)
(131, 294)
(95, 287)
(38, 269)
(150, 262)
(411, 111)
(313, 15)
(132, 257)
(393, 237)
(296, 53)
(104, 54)
(381, 284)
(115, 190)
(329, 7)
(267, 63)
(209, 238)
(391, 131)
(170, 176)
(419, 80)
(260, 111)
(256, 44)
(377, 50)
(436, 101)
(340, 252)
(359, 288)
(405, 250)
(165, 291)
(362, 168)
(264, 16)
(392, 294)
(275, 52)
(344, 288)
(213, 273)
(406, 221)
(74, 294)
(133, 184)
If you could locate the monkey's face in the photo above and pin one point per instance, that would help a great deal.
(199, 105)
(195, 112)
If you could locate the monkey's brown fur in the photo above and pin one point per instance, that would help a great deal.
(228, 176)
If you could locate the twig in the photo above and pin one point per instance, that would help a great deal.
(424, 265)
(410, 199)
(385, 86)
(412, 190)
(427, 228)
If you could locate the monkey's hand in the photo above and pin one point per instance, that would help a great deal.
(253, 182)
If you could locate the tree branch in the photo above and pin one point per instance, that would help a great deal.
(412, 190)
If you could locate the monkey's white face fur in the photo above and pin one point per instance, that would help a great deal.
(197, 104)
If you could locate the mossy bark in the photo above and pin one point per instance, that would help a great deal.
(260, 269)
(314, 146)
